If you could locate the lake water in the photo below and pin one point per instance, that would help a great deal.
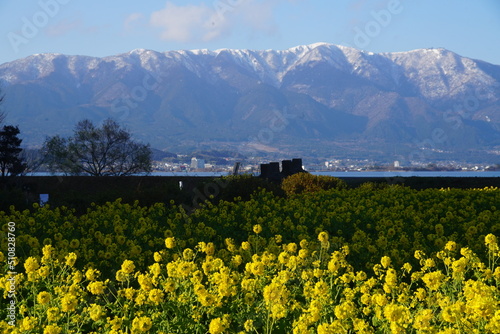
(336, 174)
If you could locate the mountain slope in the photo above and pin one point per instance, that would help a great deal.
(319, 93)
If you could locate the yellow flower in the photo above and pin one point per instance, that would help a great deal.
(156, 296)
(92, 274)
(248, 325)
(96, 288)
(385, 261)
(28, 323)
(128, 293)
(459, 266)
(276, 297)
(44, 271)
(345, 310)
(245, 245)
(69, 303)
(96, 312)
(121, 276)
(145, 282)
(185, 268)
(490, 239)
(420, 294)
(170, 242)
(494, 323)
(188, 254)
(205, 298)
(210, 248)
(466, 252)
(128, 267)
(237, 260)
(31, 265)
(283, 257)
(303, 253)
(390, 278)
(320, 289)
(196, 276)
(291, 247)
(257, 228)
(155, 269)
(48, 251)
(53, 314)
(323, 237)
(496, 273)
(453, 313)
(450, 246)
(379, 299)
(218, 325)
(43, 297)
(419, 255)
(157, 257)
(169, 285)
(329, 329)
(52, 329)
(491, 242)
(70, 259)
(141, 324)
(423, 320)
(115, 323)
(257, 268)
(433, 280)
(396, 313)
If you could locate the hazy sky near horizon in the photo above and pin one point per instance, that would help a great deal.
(104, 27)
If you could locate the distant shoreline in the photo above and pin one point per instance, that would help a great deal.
(361, 174)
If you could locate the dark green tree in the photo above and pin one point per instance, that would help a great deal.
(11, 163)
(98, 151)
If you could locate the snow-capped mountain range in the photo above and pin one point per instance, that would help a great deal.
(423, 100)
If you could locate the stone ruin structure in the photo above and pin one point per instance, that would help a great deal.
(272, 172)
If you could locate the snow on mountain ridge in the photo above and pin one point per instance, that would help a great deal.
(435, 72)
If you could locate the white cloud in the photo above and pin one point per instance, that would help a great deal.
(183, 23)
(204, 23)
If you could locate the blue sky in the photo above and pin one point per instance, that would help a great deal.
(104, 27)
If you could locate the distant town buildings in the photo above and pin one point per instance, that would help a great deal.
(252, 165)
(197, 163)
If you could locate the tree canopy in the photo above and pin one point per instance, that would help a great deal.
(98, 151)
(11, 163)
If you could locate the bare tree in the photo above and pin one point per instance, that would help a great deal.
(98, 151)
(33, 159)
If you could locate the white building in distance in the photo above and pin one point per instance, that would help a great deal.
(197, 163)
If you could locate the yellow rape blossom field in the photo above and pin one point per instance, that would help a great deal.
(363, 260)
